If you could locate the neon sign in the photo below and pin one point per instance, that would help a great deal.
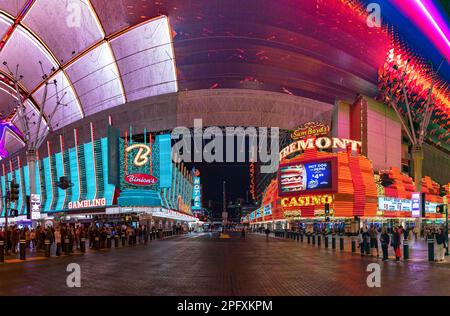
(87, 203)
(306, 200)
(140, 179)
(196, 193)
(141, 157)
(310, 129)
(319, 143)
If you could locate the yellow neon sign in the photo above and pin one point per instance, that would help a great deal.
(306, 200)
(141, 157)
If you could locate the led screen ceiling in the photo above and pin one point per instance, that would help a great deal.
(107, 52)
(91, 65)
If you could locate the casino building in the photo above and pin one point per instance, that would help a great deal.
(111, 179)
(324, 180)
(161, 65)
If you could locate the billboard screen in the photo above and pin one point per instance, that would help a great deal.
(307, 177)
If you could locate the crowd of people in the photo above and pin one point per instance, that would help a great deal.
(69, 236)
(370, 237)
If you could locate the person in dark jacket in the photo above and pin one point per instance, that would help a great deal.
(384, 240)
(441, 242)
(396, 243)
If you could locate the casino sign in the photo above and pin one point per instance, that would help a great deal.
(306, 200)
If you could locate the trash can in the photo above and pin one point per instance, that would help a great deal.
(47, 248)
(405, 249)
(430, 248)
(83, 245)
(97, 243)
(66, 247)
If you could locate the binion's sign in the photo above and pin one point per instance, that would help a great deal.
(141, 179)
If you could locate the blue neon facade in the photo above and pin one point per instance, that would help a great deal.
(87, 167)
(87, 173)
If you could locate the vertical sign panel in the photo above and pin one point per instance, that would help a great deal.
(415, 204)
(196, 195)
(113, 156)
(165, 160)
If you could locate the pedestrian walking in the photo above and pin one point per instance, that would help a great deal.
(58, 241)
(373, 241)
(365, 240)
(33, 238)
(267, 231)
(28, 238)
(384, 240)
(396, 243)
(441, 244)
(15, 239)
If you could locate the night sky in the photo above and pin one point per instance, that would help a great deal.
(212, 175)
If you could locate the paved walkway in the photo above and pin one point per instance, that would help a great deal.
(205, 264)
(33, 255)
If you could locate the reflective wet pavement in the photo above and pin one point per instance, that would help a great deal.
(205, 264)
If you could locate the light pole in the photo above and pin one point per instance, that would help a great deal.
(446, 228)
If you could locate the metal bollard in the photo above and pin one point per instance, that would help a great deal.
(405, 249)
(326, 241)
(301, 237)
(333, 242)
(2, 251)
(353, 245)
(83, 245)
(318, 240)
(66, 247)
(22, 247)
(298, 237)
(124, 240)
(47, 248)
(97, 243)
(431, 249)
(116, 241)
(341, 243)
(314, 239)
(108, 241)
(309, 238)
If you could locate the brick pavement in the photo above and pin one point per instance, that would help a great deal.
(204, 264)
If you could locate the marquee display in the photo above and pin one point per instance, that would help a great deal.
(306, 177)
